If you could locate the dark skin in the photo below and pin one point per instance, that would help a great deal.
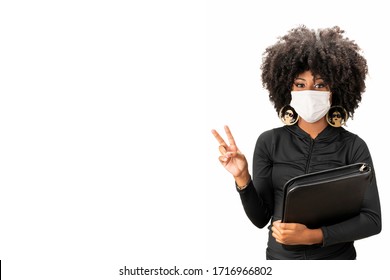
(236, 164)
(327, 53)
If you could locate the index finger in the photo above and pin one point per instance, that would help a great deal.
(219, 138)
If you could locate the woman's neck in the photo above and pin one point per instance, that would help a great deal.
(313, 129)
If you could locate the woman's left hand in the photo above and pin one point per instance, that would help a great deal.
(295, 234)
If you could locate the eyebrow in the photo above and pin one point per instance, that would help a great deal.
(302, 79)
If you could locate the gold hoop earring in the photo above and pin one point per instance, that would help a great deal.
(337, 116)
(288, 115)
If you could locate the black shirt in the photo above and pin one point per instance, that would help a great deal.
(286, 152)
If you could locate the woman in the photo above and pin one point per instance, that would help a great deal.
(308, 74)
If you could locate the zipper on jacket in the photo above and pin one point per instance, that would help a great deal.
(309, 156)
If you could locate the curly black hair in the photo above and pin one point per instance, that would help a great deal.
(325, 52)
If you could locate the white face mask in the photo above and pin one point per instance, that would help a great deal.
(311, 105)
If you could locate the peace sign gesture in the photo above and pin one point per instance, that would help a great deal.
(231, 157)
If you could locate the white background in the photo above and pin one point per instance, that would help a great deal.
(106, 154)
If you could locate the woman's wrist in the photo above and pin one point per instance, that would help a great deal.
(315, 236)
(243, 180)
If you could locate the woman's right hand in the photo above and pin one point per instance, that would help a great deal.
(232, 159)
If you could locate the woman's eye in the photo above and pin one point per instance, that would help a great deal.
(320, 85)
(299, 85)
